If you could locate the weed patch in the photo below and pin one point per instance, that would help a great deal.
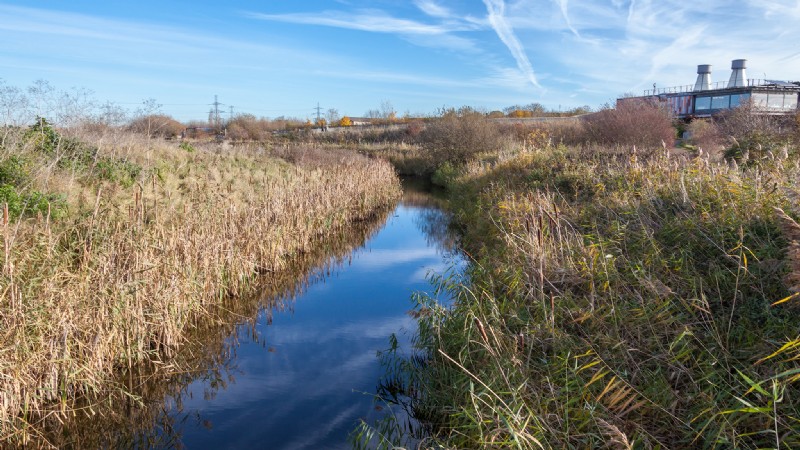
(614, 298)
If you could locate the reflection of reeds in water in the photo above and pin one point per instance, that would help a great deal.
(209, 355)
(433, 220)
(135, 272)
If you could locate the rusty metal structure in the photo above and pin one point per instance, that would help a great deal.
(705, 99)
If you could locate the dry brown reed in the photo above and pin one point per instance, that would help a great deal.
(131, 270)
(617, 299)
(791, 231)
(138, 414)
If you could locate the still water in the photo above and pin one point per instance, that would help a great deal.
(303, 374)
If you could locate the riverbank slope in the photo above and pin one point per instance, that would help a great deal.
(116, 246)
(617, 300)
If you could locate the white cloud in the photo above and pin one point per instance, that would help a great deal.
(382, 258)
(496, 10)
(437, 35)
(626, 45)
(564, 7)
(433, 9)
(373, 21)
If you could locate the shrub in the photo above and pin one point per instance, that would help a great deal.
(42, 137)
(116, 171)
(751, 135)
(156, 125)
(415, 128)
(705, 134)
(444, 175)
(13, 171)
(187, 146)
(246, 127)
(633, 122)
(459, 135)
(72, 154)
(21, 204)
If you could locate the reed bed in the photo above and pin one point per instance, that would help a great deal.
(615, 301)
(142, 243)
(146, 410)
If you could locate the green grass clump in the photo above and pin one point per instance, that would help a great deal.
(79, 157)
(17, 195)
(616, 301)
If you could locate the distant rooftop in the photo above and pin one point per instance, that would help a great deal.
(705, 99)
(690, 88)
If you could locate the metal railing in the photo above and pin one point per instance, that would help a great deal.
(689, 88)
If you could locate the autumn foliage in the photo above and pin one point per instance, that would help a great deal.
(156, 125)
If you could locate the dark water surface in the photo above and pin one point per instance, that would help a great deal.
(303, 375)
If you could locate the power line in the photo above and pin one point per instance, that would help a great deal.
(216, 111)
(318, 110)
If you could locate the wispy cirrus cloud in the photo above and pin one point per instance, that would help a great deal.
(496, 16)
(462, 22)
(624, 45)
(365, 20)
(377, 21)
(564, 7)
(433, 9)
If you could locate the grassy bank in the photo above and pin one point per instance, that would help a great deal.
(117, 246)
(146, 411)
(616, 300)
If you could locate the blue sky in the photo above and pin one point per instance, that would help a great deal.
(280, 58)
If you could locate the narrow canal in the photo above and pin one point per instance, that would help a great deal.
(303, 373)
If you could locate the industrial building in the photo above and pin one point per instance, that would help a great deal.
(706, 98)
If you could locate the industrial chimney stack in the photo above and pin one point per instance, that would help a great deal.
(703, 82)
(738, 75)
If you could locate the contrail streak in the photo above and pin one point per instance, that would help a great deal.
(496, 9)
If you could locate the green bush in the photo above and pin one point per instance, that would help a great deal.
(445, 175)
(42, 137)
(22, 204)
(9, 195)
(118, 171)
(188, 147)
(75, 155)
(14, 171)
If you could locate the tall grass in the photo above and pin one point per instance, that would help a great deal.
(152, 241)
(615, 301)
(146, 411)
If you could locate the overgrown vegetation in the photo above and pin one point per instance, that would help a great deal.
(632, 122)
(151, 240)
(621, 297)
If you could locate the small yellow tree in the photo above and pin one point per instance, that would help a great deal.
(345, 122)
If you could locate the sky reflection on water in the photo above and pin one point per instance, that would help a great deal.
(304, 379)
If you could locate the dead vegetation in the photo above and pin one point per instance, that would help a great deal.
(628, 296)
(137, 242)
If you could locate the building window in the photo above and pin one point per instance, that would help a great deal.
(775, 101)
(790, 102)
(702, 104)
(760, 100)
(738, 99)
(720, 102)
